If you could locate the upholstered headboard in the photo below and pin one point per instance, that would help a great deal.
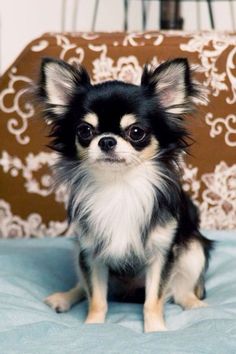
(29, 206)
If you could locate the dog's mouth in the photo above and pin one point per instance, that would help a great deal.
(111, 160)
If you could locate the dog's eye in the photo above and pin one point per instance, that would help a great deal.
(85, 131)
(135, 133)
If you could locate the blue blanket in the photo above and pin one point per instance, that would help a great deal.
(32, 269)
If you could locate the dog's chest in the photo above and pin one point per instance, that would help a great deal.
(117, 215)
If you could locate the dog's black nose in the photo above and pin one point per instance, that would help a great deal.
(107, 143)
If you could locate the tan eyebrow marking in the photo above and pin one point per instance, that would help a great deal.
(127, 120)
(91, 118)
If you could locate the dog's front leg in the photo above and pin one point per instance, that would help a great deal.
(154, 299)
(97, 293)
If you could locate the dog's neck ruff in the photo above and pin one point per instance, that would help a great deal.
(116, 208)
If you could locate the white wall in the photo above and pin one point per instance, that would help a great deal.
(23, 20)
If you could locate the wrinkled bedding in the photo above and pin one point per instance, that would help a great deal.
(31, 269)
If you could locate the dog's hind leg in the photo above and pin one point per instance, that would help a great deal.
(62, 302)
(200, 290)
(187, 283)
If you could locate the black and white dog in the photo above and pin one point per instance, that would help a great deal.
(120, 147)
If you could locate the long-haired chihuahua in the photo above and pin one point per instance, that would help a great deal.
(119, 153)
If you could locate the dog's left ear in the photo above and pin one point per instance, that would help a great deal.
(172, 84)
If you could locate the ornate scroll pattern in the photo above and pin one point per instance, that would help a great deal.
(69, 51)
(18, 124)
(210, 46)
(102, 66)
(190, 181)
(232, 78)
(33, 163)
(218, 209)
(217, 192)
(227, 124)
(13, 226)
(126, 69)
(137, 39)
(35, 182)
(40, 46)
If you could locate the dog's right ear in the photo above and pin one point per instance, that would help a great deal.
(58, 82)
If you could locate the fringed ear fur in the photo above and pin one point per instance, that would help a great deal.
(172, 83)
(57, 84)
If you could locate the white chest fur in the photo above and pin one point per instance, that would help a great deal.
(117, 208)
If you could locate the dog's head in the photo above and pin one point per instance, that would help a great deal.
(115, 124)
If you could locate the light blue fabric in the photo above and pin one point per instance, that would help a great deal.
(32, 269)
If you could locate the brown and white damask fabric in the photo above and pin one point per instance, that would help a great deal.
(29, 206)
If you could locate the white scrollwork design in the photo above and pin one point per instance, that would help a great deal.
(130, 39)
(190, 181)
(102, 66)
(42, 44)
(24, 110)
(232, 78)
(126, 69)
(136, 39)
(214, 193)
(210, 46)
(64, 42)
(30, 169)
(218, 207)
(13, 226)
(89, 36)
(158, 37)
(218, 124)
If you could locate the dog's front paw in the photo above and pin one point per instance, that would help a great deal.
(154, 327)
(58, 302)
(95, 317)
